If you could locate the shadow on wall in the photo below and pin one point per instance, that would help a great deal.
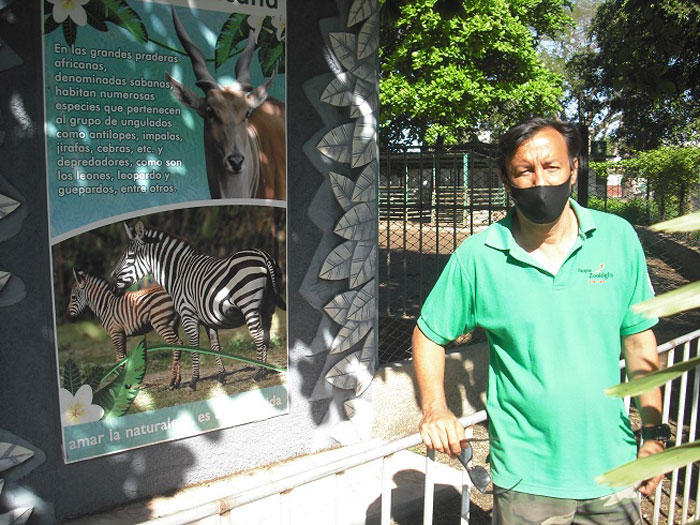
(395, 391)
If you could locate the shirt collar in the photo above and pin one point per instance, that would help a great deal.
(500, 235)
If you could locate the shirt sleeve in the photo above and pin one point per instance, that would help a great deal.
(641, 290)
(448, 311)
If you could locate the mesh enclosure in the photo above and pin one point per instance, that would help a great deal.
(431, 199)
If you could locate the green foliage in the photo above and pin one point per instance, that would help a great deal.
(653, 380)
(118, 12)
(94, 377)
(647, 64)
(670, 171)
(653, 465)
(634, 210)
(98, 13)
(72, 379)
(662, 305)
(452, 69)
(234, 36)
(233, 33)
(116, 397)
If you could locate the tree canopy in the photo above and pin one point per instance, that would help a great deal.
(648, 63)
(453, 68)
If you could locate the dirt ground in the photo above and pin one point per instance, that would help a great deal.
(664, 277)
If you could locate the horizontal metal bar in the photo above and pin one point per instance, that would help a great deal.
(270, 488)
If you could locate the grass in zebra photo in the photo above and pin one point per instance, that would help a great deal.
(88, 344)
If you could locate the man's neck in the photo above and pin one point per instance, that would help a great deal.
(549, 244)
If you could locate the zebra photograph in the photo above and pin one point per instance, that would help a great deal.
(210, 278)
(132, 314)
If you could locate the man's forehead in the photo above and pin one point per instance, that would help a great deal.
(546, 138)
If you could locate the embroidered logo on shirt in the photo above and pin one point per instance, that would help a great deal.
(597, 276)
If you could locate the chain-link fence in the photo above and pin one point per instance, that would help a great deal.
(431, 199)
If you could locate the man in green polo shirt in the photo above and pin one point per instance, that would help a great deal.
(552, 285)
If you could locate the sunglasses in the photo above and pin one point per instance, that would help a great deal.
(478, 475)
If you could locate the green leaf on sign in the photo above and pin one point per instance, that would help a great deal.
(118, 12)
(94, 377)
(650, 466)
(116, 397)
(652, 380)
(72, 380)
(269, 56)
(234, 31)
(70, 31)
(684, 298)
(96, 13)
(50, 25)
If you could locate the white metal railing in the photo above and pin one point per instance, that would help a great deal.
(677, 390)
(284, 486)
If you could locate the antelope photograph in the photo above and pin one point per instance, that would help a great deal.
(244, 127)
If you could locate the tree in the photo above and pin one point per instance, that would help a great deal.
(648, 61)
(451, 69)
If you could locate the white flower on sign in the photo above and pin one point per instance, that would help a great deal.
(63, 9)
(79, 408)
(280, 24)
(256, 23)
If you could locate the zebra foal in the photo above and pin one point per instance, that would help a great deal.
(214, 292)
(133, 314)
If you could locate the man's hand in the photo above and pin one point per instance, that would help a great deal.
(442, 431)
(439, 427)
(648, 448)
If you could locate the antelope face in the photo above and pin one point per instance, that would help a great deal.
(225, 130)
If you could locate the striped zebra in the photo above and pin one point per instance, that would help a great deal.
(132, 314)
(215, 292)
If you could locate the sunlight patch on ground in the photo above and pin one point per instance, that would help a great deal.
(144, 401)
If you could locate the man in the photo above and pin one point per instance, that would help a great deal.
(552, 285)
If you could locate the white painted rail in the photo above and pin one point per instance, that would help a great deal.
(675, 393)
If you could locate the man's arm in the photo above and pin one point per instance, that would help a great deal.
(439, 427)
(642, 358)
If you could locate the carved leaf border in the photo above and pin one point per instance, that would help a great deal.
(354, 144)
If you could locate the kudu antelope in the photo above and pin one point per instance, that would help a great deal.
(244, 135)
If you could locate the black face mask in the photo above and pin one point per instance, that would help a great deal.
(542, 204)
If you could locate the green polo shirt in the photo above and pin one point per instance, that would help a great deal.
(554, 345)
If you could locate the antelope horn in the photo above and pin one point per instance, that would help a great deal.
(243, 64)
(204, 78)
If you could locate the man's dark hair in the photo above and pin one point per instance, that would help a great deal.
(515, 136)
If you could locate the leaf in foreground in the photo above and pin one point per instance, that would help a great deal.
(686, 223)
(653, 380)
(650, 466)
(116, 398)
(684, 298)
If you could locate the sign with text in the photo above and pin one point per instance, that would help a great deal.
(166, 176)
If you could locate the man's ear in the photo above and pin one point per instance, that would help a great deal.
(504, 180)
(574, 171)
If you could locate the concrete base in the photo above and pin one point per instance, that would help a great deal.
(357, 492)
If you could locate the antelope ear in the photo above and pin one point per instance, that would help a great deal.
(188, 97)
(79, 276)
(260, 94)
